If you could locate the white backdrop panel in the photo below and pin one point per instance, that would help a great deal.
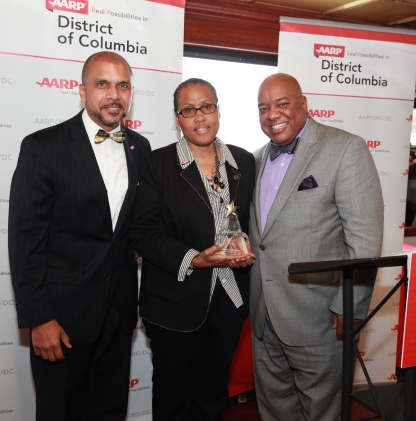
(43, 46)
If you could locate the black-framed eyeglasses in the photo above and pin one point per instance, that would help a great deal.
(191, 111)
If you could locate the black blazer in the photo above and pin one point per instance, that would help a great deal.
(64, 257)
(173, 215)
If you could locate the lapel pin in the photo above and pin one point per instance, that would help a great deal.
(236, 177)
(131, 147)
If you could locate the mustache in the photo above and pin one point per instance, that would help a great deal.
(112, 104)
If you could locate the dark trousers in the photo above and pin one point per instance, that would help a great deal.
(190, 369)
(91, 383)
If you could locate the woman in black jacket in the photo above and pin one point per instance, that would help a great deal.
(193, 299)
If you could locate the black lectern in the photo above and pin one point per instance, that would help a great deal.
(406, 394)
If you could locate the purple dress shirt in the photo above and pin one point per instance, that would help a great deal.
(271, 179)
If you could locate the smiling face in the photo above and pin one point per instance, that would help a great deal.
(106, 90)
(201, 129)
(283, 109)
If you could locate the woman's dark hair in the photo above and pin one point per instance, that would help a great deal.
(192, 81)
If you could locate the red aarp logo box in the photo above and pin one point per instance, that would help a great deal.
(74, 6)
(325, 50)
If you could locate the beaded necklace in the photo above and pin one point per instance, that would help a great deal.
(216, 182)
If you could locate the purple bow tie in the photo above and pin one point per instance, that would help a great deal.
(276, 150)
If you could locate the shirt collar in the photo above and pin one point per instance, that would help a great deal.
(304, 128)
(186, 157)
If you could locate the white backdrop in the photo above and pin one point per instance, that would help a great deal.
(41, 55)
(43, 45)
(362, 79)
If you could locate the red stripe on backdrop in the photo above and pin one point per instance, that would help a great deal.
(347, 33)
(176, 3)
(360, 96)
(82, 61)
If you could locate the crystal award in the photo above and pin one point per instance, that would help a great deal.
(230, 235)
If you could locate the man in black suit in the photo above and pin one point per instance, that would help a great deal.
(73, 270)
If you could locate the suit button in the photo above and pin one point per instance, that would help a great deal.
(262, 248)
(105, 275)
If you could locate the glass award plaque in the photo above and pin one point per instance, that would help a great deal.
(230, 235)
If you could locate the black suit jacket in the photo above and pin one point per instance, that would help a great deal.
(65, 259)
(173, 215)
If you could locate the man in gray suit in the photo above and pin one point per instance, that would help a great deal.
(317, 197)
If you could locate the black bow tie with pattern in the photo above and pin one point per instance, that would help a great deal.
(118, 137)
(276, 150)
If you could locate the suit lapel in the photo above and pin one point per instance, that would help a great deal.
(133, 174)
(293, 176)
(193, 178)
(82, 153)
(260, 158)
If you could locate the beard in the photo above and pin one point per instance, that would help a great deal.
(99, 116)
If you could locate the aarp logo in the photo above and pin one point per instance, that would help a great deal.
(325, 50)
(321, 113)
(132, 124)
(75, 6)
(362, 354)
(373, 144)
(58, 83)
(133, 382)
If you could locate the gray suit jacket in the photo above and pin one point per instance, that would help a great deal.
(342, 218)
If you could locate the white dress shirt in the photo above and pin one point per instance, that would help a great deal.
(111, 159)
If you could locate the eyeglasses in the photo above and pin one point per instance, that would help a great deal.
(191, 111)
